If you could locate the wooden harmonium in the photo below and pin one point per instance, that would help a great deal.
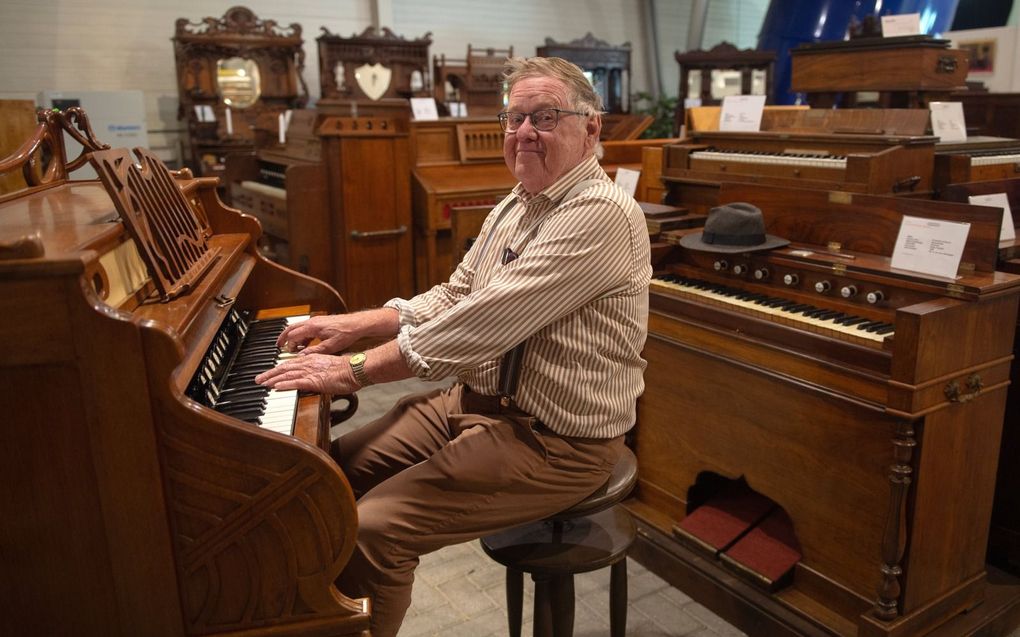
(458, 162)
(976, 159)
(261, 184)
(136, 299)
(875, 152)
(851, 396)
(904, 63)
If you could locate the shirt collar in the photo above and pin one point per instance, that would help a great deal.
(588, 168)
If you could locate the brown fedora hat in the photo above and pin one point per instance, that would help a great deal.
(731, 228)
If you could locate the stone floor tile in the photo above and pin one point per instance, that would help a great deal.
(718, 625)
(668, 615)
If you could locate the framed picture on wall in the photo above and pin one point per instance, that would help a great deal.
(981, 54)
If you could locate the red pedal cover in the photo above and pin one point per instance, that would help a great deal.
(767, 553)
(715, 525)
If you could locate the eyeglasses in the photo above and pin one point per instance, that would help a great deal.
(543, 120)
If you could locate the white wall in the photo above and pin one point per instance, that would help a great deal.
(99, 45)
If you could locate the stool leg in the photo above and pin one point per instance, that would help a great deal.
(543, 607)
(618, 599)
(514, 600)
(563, 606)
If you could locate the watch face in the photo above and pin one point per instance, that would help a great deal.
(358, 358)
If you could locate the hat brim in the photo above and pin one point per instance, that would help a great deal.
(694, 241)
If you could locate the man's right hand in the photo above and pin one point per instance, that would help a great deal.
(337, 332)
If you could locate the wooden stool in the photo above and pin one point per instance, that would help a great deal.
(590, 535)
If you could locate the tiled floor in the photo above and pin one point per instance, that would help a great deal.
(459, 592)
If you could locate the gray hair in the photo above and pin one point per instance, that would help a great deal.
(579, 90)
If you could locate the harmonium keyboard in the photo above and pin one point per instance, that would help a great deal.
(859, 404)
(160, 492)
(976, 159)
(879, 152)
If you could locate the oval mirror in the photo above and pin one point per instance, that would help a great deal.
(239, 82)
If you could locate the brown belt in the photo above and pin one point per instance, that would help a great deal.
(475, 403)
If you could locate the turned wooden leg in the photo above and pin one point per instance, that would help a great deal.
(618, 599)
(543, 607)
(514, 600)
(563, 605)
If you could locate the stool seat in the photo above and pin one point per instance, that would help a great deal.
(590, 535)
(620, 483)
(584, 544)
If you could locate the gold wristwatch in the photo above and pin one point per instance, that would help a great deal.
(358, 367)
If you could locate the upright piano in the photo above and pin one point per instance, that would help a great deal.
(865, 151)
(864, 401)
(151, 488)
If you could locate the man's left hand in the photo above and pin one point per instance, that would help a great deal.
(321, 373)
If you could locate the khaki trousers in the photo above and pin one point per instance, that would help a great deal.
(434, 471)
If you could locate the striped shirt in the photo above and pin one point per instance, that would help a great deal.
(577, 293)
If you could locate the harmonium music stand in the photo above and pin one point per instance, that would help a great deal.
(906, 71)
(232, 72)
(372, 74)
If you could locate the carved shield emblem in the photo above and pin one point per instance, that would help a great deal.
(373, 79)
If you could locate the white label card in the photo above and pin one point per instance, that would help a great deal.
(424, 109)
(930, 246)
(998, 200)
(947, 121)
(903, 24)
(741, 113)
(627, 179)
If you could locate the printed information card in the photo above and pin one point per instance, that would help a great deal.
(930, 246)
(947, 121)
(627, 179)
(998, 200)
(903, 24)
(741, 113)
(424, 109)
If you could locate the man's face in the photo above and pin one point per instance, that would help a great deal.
(539, 158)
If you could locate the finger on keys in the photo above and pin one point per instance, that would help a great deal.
(266, 377)
(290, 339)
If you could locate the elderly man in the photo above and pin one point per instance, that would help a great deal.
(560, 266)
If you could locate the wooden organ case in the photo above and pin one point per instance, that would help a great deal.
(334, 202)
(979, 158)
(1004, 537)
(477, 80)
(881, 151)
(906, 71)
(874, 425)
(608, 65)
(140, 509)
(275, 60)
